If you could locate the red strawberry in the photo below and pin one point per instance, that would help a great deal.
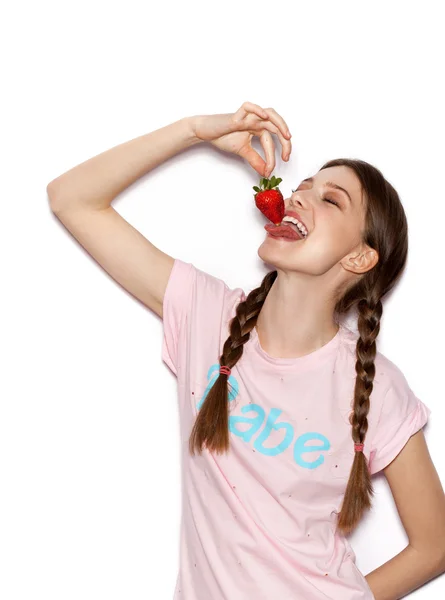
(269, 199)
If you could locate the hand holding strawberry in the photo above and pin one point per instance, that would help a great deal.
(233, 132)
(269, 199)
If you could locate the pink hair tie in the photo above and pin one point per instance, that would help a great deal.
(358, 447)
(225, 370)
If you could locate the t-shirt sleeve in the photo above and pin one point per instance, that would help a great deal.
(196, 309)
(177, 298)
(402, 415)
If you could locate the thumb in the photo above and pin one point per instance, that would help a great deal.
(254, 159)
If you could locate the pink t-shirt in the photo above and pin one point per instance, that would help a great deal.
(259, 522)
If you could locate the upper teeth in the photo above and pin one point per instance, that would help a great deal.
(296, 222)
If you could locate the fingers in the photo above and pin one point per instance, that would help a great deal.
(254, 159)
(278, 121)
(269, 151)
(272, 123)
(286, 144)
(250, 107)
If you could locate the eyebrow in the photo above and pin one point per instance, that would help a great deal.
(330, 184)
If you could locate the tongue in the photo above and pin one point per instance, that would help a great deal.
(283, 231)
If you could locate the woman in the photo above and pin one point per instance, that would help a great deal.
(285, 412)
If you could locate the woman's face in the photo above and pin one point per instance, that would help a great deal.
(334, 229)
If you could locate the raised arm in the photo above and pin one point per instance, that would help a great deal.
(81, 199)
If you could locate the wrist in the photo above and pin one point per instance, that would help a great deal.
(191, 123)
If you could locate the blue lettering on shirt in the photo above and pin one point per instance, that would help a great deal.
(258, 419)
(256, 422)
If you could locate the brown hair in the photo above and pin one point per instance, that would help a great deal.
(386, 231)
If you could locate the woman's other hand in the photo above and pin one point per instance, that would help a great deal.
(233, 132)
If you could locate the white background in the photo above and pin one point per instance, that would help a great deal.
(89, 454)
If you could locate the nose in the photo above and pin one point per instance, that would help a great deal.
(297, 200)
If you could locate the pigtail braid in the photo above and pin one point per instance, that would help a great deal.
(359, 490)
(211, 426)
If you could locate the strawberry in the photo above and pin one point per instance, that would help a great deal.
(269, 199)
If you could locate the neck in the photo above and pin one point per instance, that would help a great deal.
(295, 319)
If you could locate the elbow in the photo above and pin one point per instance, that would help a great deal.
(442, 561)
(433, 557)
(53, 192)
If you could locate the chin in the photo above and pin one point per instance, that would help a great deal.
(273, 253)
(279, 253)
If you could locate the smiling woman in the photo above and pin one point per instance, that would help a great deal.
(333, 213)
(285, 412)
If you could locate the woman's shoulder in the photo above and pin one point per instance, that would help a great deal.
(209, 292)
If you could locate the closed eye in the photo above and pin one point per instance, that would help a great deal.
(325, 198)
(331, 201)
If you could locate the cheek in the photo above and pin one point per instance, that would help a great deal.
(326, 242)
(332, 239)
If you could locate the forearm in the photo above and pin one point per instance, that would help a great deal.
(97, 181)
(404, 573)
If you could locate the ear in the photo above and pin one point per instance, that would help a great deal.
(360, 261)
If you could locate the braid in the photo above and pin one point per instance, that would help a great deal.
(359, 490)
(212, 423)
